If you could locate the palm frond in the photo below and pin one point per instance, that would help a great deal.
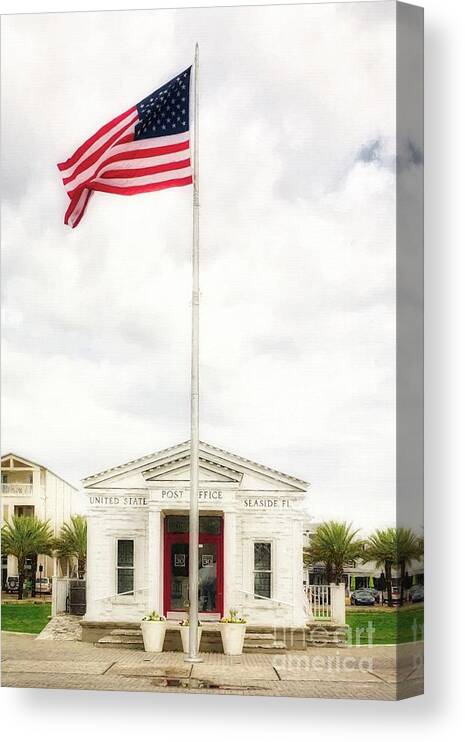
(72, 540)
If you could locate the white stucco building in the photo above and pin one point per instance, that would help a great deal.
(29, 488)
(251, 539)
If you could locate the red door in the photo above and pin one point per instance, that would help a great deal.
(176, 564)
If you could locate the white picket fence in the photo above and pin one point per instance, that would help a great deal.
(325, 603)
(319, 601)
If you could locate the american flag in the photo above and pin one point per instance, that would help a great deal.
(146, 148)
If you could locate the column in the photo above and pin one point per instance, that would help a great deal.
(299, 616)
(38, 495)
(338, 603)
(154, 561)
(92, 607)
(230, 570)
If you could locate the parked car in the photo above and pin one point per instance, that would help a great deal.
(43, 585)
(363, 596)
(374, 592)
(395, 592)
(12, 584)
(417, 594)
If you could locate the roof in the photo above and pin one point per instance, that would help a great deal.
(205, 448)
(10, 454)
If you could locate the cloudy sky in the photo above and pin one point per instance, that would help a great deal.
(297, 145)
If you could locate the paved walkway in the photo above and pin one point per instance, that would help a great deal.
(361, 672)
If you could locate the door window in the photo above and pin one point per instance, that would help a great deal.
(207, 577)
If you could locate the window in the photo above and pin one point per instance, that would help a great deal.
(262, 569)
(125, 566)
(177, 523)
(208, 524)
(24, 510)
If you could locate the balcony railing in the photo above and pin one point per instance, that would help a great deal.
(20, 488)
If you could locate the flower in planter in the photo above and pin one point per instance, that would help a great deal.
(154, 616)
(233, 617)
(185, 622)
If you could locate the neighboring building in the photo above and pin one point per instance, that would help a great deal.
(32, 489)
(250, 546)
(358, 574)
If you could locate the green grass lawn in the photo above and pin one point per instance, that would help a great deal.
(388, 627)
(28, 618)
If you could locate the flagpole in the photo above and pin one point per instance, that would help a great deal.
(194, 449)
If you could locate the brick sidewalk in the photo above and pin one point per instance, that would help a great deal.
(361, 673)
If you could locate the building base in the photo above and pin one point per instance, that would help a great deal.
(127, 635)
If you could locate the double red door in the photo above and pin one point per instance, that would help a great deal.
(176, 565)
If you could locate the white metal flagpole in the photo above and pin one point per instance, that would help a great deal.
(193, 655)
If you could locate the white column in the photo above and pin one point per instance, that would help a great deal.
(39, 502)
(92, 607)
(338, 603)
(299, 616)
(229, 551)
(154, 561)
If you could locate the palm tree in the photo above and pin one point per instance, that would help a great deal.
(334, 543)
(44, 539)
(72, 542)
(24, 537)
(381, 549)
(394, 546)
(409, 548)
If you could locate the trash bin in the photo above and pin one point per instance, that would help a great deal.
(77, 597)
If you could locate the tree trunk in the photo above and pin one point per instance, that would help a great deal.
(402, 581)
(388, 574)
(34, 560)
(328, 572)
(21, 564)
(81, 568)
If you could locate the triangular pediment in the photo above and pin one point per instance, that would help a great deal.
(216, 465)
(179, 471)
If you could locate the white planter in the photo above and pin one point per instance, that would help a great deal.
(153, 634)
(232, 636)
(185, 638)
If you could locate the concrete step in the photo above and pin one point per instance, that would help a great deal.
(328, 642)
(120, 641)
(326, 633)
(249, 635)
(326, 625)
(272, 648)
(258, 639)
